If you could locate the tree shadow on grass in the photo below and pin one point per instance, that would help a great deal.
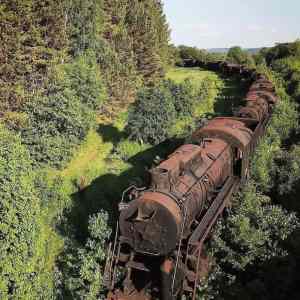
(105, 192)
(109, 133)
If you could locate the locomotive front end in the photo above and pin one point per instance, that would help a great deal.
(151, 224)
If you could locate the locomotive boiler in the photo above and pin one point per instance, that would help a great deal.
(159, 244)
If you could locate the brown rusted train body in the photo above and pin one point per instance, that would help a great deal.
(159, 243)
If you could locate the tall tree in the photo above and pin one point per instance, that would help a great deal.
(32, 37)
(150, 34)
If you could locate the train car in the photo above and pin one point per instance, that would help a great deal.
(160, 238)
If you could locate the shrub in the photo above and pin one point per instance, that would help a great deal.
(152, 115)
(255, 226)
(25, 268)
(288, 170)
(239, 56)
(59, 119)
(252, 234)
(57, 122)
(283, 121)
(183, 97)
(84, 265)
(85, 80)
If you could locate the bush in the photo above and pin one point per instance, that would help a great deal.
(252, 234)
(57, 122)
(84, 265)
(152, 115)
(288, 171)
(61, 118)
(183, 97)
(86, 80)
(166, 110)
(239, 56)
(283, 121)
(25, 268)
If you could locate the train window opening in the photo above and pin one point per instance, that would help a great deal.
(237, 168)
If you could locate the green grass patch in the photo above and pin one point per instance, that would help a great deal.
(89, 160)
(127, 149)
(196, 75)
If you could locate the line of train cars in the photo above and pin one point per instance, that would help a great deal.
(159, 248)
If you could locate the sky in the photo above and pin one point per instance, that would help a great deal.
(227, 23)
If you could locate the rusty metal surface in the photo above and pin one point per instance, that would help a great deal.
(163, 229)
(233, 131)
(255, 108)
(189, 177)
(269, 96)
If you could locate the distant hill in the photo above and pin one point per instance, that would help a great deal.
(225, 50)
(218, 50)
(253, 50)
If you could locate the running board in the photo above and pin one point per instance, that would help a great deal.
(210, 217)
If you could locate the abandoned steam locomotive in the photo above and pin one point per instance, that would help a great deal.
(160, 235)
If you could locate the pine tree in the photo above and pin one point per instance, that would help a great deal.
(118, 63)
(148, 28)
(32, 39)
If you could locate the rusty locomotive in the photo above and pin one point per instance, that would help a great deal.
(161, 233)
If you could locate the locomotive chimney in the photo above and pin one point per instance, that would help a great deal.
(160, 179)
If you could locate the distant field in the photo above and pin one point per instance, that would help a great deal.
(194, 74)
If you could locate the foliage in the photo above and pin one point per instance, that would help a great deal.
(25, 240)
(127, 149)
(150, 35)
(288, 170)
(152, 115)
(251, 234)
(238, 56)
(194, 53)
(84, 78)
(284, 121)
(33, 38)
(61, 118)
(57, 121)
(285, 61)
(85, 25)
(136, 48)
(282, 50)
(168, 109)
(83, 266)
(52, 88)
(183, 97)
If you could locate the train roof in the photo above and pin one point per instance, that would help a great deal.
(230, 129)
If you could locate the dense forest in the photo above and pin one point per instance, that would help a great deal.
(89, 77)
(62, 63)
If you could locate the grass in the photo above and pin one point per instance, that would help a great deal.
(194, 74)
(88, 161)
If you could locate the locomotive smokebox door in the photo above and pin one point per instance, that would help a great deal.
(150, 224)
